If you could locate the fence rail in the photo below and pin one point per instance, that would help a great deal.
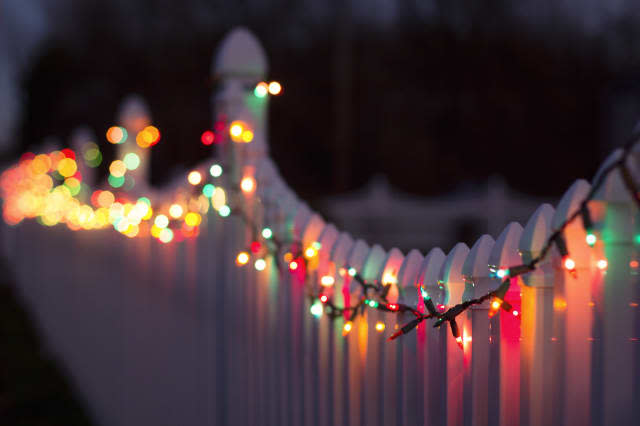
(176, 334)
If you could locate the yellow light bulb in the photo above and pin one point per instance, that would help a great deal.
(242, 258)
(248, 184)
(194, 177)
(380, 326)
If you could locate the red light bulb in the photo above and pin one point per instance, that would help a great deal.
(208, 137)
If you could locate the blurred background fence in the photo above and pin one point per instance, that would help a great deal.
(177, 334)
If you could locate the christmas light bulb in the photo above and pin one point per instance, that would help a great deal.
(207, 137)
(327, 281)
(242, 258)
(393, 307)
(175, 211)
(591, 239)
(389, 278)
(501, 273)
(194, 177)
(316, 309)
(602, 264)
(372, 303)
(255, 247)
(235, 129)
(352, 272)
(275, 88)
(293, 265)
(380, 326)
(516, 313)
(310, 252)
(248, 184)
(260, 264)
(267, 233)
(215, 170)
(459, 342)
(496, 303)
(569, 264)
(324, 298)
(261, 90)
(346, 329)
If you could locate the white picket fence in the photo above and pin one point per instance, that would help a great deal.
(177, 334)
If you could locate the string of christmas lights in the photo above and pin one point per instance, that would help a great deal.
(30, 192)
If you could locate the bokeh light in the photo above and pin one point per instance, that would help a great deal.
(275, 88)
(215, 170)
(116, 135)
(208, 137)
(175, 211)
(131, 161)
(194, 177)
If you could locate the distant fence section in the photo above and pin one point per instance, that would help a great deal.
(178, 334)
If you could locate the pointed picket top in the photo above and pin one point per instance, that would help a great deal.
(240, 54)
(533, 238)
(134, 115)
(575, 233)
(475, 270)
(312, 230)
(341, 249)
(450, 276)
(505, 251)
(409, 292)
(536, 232)
(355, 259)
(374, 263)
(303, 214)
(429, 274)
(327, 239)
(570, 202)
(613, 188)
(389, 273)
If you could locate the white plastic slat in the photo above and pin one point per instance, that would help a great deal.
(505, 326)
(478, 375)
(536, 346)
(451, 279)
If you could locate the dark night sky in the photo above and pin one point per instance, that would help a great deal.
(431, 102)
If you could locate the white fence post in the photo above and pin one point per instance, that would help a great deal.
(341, 360)
(434, 366)
(411, 349)
(616, 302)
(475, 272)
(506, 329)
(536, 348)
(453, 283)
(576, 320)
